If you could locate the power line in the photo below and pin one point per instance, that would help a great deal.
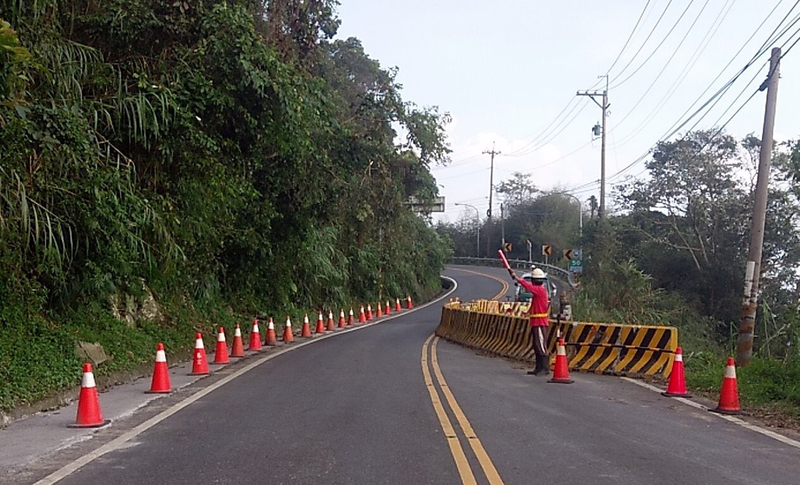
(522, 152)
(704, 43)
(666, 64)
(629, 37)
(652, 31)
(657, 47)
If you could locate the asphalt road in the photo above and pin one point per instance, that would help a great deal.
(355, 409)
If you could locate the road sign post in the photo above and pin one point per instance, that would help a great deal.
(547, 250)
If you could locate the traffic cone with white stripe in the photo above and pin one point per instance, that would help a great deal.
(342, 321)
(409, 303)
(272, 339)
(351, 319)
(397, 306)
(255, 337)
(331, 324)
(237, 349)
(379, 311)
(160, 383)
(677, 379)
(362, 317)
(320, 323)
(369, 312)
(388, 310)
(561, 371)
(288, 337)
(729, 394)
(305, 332)
(89, 414)
(221, 354)
(199, 361)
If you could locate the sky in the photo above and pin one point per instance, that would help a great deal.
(507, 71)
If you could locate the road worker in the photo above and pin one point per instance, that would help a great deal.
(538, 313)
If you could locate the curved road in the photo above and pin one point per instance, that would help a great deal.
(355, 409)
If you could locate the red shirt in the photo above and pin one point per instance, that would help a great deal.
(540, 303)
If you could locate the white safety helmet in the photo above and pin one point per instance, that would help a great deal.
(537, 274)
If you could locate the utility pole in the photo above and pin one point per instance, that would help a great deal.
(603, 106)
(489, 211)
(747, 326)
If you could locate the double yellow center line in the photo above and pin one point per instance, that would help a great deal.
(462, 464)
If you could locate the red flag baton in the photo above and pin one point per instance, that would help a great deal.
(503, 259)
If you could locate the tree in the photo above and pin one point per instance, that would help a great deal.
(517, 190)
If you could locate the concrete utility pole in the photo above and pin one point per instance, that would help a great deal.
(604, 106)
(744, 351)
(489, 211)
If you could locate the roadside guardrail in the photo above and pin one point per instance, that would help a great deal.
(603, 348)
(561, 273)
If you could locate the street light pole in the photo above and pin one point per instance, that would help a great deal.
(580, 212)
(478, 226)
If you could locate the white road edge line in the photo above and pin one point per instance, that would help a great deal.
(733, 419)
(117, 442)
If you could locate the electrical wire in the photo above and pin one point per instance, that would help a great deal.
(629, 37)
(652, 31)
(666, 64)
(519, 153)
(704, 43)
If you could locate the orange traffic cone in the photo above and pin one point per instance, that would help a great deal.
(677, 379)
(331, 325)
(351, 319)
(369, 312)
(305, 332)
(388, 310)
(237, 349)
(362, 317)
(409, 303)
(320, 323)
(397, 306)
(199, 362)
(272, 339)
(89, 415)
(288, 337)
(160, 383)
(379, 311)
(255, 337)
(729, 394)
(561, 371)
(342, 321)
(221, 355)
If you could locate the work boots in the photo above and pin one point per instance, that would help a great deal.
(542, 366)
(545, 364)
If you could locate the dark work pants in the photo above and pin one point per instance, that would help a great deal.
(539, 339)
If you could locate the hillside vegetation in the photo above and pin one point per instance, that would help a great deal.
(168, 166)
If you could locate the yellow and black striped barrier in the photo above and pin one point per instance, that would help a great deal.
(609, 348)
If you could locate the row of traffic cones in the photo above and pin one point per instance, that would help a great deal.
(729, 391)
(89, 414)
(728, 396)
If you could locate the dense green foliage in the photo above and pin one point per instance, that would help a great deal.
(227, 157)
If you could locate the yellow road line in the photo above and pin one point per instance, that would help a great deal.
(483, 458)
(464, 470)
(492, 277)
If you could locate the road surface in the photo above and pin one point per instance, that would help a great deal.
(356, 409)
